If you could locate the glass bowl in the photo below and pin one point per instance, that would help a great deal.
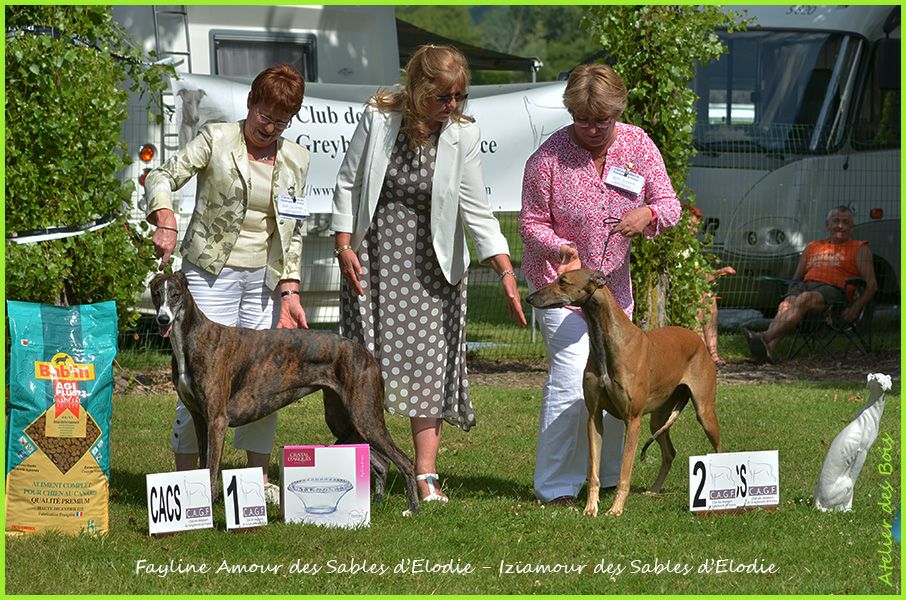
(320, 495)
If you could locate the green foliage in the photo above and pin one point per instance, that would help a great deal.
(655, 50)
(551, 33)
(452, 22)
(65, 103)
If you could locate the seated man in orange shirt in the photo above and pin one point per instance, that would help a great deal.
(820, 278)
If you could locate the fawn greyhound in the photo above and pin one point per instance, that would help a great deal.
(631, 373)
(230, 376)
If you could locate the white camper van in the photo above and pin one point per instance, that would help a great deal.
(355, 46)
(801, 115)
(347, 52)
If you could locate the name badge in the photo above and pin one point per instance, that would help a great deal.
(625, 180)
(292, 207)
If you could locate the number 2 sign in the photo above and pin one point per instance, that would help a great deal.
(734, 480)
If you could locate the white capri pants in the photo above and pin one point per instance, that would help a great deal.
(236, 297)
(561, 459)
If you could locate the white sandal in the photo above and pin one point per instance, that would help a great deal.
(433, 487)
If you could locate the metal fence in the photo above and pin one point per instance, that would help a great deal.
(764, 196)
(749, 297)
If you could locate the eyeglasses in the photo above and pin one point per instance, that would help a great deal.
(445, 99)
(588, 124)
(278, 125)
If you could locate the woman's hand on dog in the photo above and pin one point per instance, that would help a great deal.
(569, 259)
(292, 315)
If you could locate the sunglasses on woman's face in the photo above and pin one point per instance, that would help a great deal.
(446, 98)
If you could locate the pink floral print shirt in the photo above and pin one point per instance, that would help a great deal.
(565, 201)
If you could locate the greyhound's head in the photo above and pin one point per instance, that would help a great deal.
(573, 288)
(170, 293)
(191, 99)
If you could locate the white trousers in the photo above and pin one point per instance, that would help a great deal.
(238, 298)
(561, 459)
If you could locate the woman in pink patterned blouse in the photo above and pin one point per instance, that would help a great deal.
(587, 191)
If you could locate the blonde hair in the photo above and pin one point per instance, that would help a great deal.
(430, 70)
(595, 91)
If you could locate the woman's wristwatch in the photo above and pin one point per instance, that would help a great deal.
(341, 249)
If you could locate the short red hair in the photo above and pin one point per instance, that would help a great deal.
(280, 86)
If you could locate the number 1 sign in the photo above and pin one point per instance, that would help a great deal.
(734, 480)
(243, 498)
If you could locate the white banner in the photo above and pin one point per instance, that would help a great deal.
(514, 121)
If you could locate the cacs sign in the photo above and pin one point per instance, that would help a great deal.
(179, 501)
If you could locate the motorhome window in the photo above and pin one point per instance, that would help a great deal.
(243, 54)
(877, 123)
(775, 91)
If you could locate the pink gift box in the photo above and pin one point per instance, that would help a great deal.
(326, 485)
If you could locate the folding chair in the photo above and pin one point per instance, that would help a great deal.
(818, 331)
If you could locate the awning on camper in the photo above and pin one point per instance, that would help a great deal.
(411, 37)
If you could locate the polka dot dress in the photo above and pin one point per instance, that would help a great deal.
(411, 318)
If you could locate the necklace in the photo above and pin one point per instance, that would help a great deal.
(266, 155)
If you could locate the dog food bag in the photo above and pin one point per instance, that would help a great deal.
(57, 446)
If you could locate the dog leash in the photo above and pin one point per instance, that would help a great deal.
(607, 221)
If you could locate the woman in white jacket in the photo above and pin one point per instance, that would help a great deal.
(409, 185)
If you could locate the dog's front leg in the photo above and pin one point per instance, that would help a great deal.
(216, 434)
(201, 435)
(595, 439)
(633, 428)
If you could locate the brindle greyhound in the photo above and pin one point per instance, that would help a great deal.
(631, 373)
(230, 376)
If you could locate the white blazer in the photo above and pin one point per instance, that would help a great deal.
(458, 197)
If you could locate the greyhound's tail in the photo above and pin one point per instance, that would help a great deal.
(674, 415)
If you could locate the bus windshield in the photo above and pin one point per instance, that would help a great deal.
(777, 91)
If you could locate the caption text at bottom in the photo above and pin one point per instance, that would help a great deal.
(419, 566)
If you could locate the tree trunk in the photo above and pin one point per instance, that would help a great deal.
(656, 315)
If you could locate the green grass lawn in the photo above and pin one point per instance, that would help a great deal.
(492, 519)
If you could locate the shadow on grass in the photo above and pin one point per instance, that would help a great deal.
(127, 487)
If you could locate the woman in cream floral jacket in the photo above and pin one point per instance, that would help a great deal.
(242, 251)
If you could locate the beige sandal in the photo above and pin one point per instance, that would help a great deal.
(433, 484)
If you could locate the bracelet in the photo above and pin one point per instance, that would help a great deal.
(286, 293)
(506, 272)
(168, 228)
(340, 250)
(653, 212)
